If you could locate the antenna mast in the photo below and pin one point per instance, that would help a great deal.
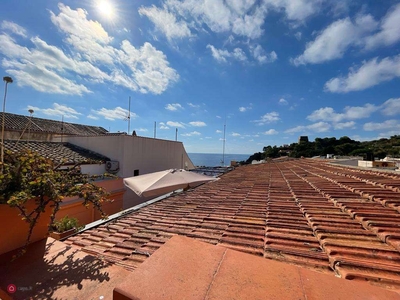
(62, 128)
(129, 115)
(223, 146)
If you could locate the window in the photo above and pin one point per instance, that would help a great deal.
(136, 173)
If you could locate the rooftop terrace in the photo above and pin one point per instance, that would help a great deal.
(332, 219)
(335, 220)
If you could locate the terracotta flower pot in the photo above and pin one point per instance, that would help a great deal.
(14, 230)
(62, 235)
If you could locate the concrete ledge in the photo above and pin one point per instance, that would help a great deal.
(184, 268)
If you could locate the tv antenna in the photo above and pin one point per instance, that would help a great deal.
(128, 118)
(223, 146)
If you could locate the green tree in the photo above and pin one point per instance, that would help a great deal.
(271, 152)
(255, 156)
(26, 175)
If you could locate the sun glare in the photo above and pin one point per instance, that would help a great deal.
(106, 8)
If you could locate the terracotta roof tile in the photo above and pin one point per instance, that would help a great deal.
(58, 152)
(20, 123)
(302, 212)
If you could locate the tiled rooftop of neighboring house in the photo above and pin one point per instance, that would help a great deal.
(20, 123)
(58, 152)
(333, 219)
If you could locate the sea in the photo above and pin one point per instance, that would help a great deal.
(214, 159)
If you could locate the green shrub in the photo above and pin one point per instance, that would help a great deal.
(65, 224)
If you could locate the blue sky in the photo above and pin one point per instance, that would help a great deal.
(270, 70)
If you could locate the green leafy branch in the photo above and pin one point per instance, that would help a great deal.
(26, 175)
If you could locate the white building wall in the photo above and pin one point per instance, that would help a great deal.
(365, 164)
(136, 153)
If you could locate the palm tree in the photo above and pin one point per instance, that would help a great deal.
(7, 80)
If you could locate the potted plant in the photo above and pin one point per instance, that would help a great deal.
(33, 188)
(64, 228)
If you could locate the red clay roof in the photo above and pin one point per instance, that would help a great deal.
(52, 270)
(198, 270)
(58, 152)
(329, 218)
(20, 123)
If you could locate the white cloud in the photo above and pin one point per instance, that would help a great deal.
(364, 32)
(117, 113)
(344, 125)
(235, 134)
(268, 118)
(249, 25)
(371, 73)
(176, 18)
(350, 113)
(218, 131)
(150, 71)
(359, 112)
(90, 116)
(391, 107)
(51, 57)
(364, 138)
(87, 51)
(222, 55)
(163, 126)
(10, 48)
(296, 10)
(319, 127)
(261, 56)
(42, 80)
(175, 124)
(193, 105)
(13, 28)
(86, 36)
(198, 124)
(316, 127)
(142, 130)
(389, 30)
(166, 22)
(149, 66)
(219, 55)
(57, 110)
(39, 67)
(283, 102)
(386, 125)
(244, 109)
(173, 107)
(332, 42)
(298, 35)
(270, 132)
(193, 133)
(239, 54)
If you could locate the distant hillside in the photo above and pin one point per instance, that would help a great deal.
(342, 146)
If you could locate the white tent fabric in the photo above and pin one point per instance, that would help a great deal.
(163, 182)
